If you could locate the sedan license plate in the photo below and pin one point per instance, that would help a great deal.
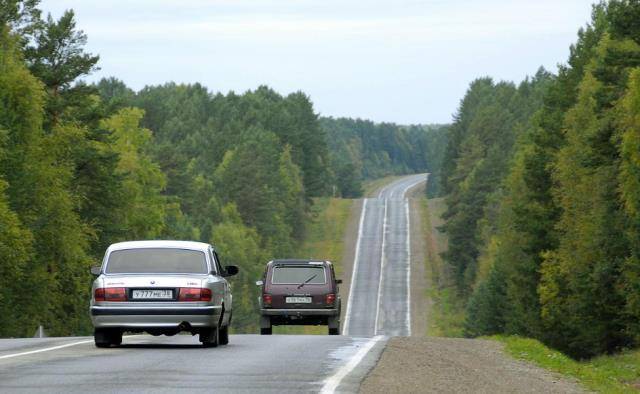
(152, 294)
(298, 300)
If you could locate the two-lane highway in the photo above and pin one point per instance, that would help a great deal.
(379, 298)
(378, 307)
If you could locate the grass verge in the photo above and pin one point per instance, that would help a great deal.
(323, 241)
(618, 373)
(446, 316)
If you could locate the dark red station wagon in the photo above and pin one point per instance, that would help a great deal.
(299, 292)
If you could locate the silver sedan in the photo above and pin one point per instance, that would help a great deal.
(161, 287)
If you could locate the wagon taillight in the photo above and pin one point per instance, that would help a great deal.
(330, 298)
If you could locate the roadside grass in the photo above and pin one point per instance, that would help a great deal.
(446, 316)
(619, 373)
(323, 241)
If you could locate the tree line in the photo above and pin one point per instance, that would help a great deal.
(361, 150)
(86, 165)
(542, 184)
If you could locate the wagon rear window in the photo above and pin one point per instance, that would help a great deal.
(298, 274)
(156, 261)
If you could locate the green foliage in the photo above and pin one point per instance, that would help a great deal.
(142, 208)
(484, 315)
(543, 225)
(240, 245)
(57, 58)
(629, 180)
(15, 253)
(39, 172)
(479, 151)
(363, 150)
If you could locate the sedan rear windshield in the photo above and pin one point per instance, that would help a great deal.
(298, 274)
(156, 261)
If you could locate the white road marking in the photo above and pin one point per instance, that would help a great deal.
(48, 349)
(404, 195)
(347, 315)
(384, 189)
(333, 381)
(408, 318)
(382, 261)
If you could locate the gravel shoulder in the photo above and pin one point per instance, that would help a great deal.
(455, 365)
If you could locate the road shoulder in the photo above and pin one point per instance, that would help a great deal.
(455, 365)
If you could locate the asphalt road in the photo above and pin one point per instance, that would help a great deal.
(379, 295)
(146, 364)
(378, 307)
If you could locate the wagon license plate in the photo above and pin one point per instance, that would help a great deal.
(152, 295)
(298, 300)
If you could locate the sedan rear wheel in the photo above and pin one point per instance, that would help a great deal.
(223, 336)
(209, 337)
(106, 337)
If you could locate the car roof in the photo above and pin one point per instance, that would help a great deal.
(296, 261)
(191, 245)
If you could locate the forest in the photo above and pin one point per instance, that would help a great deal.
(85, 165)
(361, 149)
(542, 185)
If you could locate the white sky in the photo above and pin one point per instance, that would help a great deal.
(404, 61)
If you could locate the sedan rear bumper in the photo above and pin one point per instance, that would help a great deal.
(110, 311)
(151, 317)
(299, 312)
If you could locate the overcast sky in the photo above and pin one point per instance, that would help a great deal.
(403, 61)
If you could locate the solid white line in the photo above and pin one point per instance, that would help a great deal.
(383, 190)
(408, 318)
(382, 260)
(48, 349)
(332, 382)
(356, 258)
(412, 185)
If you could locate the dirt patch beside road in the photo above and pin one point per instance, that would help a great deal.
(452, 365)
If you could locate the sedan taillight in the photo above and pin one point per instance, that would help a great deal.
(194, 294)
(111, 294)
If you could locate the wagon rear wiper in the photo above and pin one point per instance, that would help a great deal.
(307, 281)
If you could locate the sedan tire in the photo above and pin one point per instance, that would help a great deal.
(210, 337)
(223, 335)
(106, 337)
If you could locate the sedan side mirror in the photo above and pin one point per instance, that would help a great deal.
(259, 283)
(230, 270)
(96, 270)
(338, 281)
